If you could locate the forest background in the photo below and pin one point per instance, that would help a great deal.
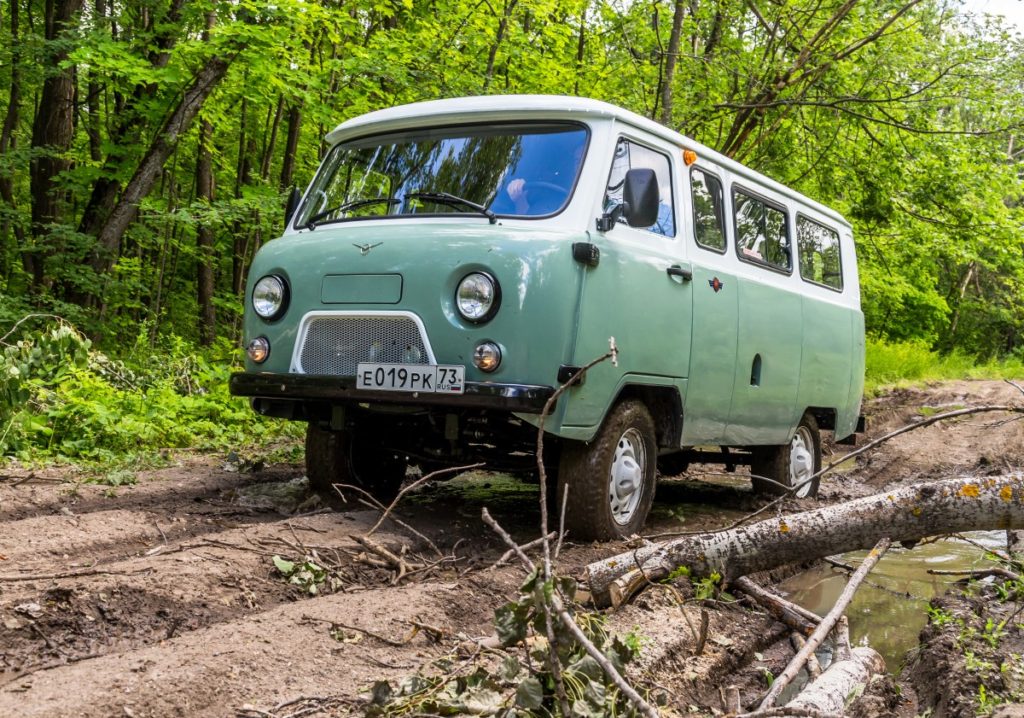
(147, 147)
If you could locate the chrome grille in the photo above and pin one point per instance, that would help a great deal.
(335, 345)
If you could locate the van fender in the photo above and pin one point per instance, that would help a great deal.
(662, 395)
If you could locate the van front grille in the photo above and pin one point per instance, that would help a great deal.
(335, 345)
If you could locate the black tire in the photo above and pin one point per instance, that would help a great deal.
(625, 442)
(340, 457)
(789, 463)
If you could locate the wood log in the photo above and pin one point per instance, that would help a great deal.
(841, 639)
(813, 667)
(830, 692)
(909, 513)
(796, 617)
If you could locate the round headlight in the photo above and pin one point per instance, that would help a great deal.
(269, 297)
(477, 297)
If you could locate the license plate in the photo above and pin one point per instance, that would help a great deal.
(428, 378)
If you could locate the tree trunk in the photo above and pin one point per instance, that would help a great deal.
(146, 174)
(581, 47)
(52, 131)
(268, 148)
(291, 147)
(906, 514)
(7, 139)
(670, 63)
(829, 693)
(205, 238)
(509, 7)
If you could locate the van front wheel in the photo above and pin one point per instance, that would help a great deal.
(791, 464)
(611, 478)
(339, 457)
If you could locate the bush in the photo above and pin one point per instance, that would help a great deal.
(62, 399)
(890, 363)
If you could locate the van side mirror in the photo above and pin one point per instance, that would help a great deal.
(640, 197)
(291, 205)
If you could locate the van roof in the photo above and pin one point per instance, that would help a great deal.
(512, 107)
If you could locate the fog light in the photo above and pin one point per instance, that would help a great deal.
(487, 356)
(258, 349)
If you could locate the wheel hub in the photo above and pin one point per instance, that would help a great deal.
(626, 478)
(801, 461)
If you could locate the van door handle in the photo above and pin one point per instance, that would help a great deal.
(676, 271)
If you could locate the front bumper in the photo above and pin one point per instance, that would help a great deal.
(314, 388)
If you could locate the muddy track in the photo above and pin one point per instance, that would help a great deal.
(161, 599)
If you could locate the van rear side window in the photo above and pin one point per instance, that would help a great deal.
(819, 253)
(708, 212)
(761, 233)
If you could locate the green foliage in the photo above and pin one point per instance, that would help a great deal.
(308, 575)
(62, 399)
(677, 572)
(521, 686)
(940, 617)
(114, 479)
(707, 587)
(987, 703)
(903, 120)
(892, 363)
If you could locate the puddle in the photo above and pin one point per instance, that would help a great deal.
(891, 613)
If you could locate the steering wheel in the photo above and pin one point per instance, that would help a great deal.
(550, 186)
(544, 197)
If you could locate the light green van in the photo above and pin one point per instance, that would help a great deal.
(453, 262)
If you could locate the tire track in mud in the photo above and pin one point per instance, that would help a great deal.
(184, 587)
(164, 599)
(173, 488)
(265, 658)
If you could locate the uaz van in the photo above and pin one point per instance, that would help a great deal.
(453, 262)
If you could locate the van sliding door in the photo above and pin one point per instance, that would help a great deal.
(715, 295)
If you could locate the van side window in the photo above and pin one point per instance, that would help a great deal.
(630, 155)
(761, 233)
(708, 210)
(819, 253)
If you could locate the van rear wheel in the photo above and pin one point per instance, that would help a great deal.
(611, 478)
(342, 457)
(791, 464)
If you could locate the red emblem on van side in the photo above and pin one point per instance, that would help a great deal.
(715, 284)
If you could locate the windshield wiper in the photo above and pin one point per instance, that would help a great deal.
(450, 199)
(355, 204)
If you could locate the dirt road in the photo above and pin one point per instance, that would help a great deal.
(162, 598)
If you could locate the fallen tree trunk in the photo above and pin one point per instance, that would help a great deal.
(831, 692)
(906, 514)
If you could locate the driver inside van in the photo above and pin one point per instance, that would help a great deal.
(544, 192)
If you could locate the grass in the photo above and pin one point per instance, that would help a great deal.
(904, 363)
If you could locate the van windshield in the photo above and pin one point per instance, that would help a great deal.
(519, 170)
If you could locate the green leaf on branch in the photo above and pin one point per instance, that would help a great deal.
(511, 622)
